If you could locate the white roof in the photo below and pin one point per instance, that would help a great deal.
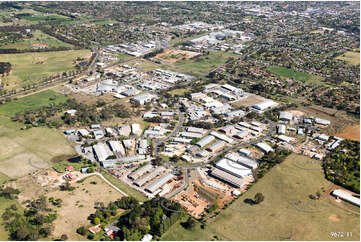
(116, 146)
(242, 160)
(264, 105)
(264, 147)
(233, 168)
(323, 137)
(245, 152)
(101, 151)
(286, 115)
(285, 138)
(346, 196)
(195, 130)
(83, 132)
(159, 182)
(206, 140)
(322, 121)
(190, 134)
(222, 137)
(225, 176)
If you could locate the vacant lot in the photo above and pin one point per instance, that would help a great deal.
(202, 65)
(24, 151)
(351, 132)
(286, 213)
(297, 75)
(172, 56)
(38, 40)
(31, 102)
(79, 204)
(352, 58)
(249, 101)
(28, 68)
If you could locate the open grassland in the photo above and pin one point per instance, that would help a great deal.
(297, 75)
(202, 65)
(28, 68)
(352, 58)
(31, 102)
(24, 151)
(286, 213)
(38, 40)
(5, 203)
(79, 204)
(179, 91)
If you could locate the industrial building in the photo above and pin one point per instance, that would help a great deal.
(157, 171)
(244, 152)
(286, 116)
(205, 141)
(133, 158)
(285, 138)
(190, 135)
(141, 171)
(251, 164)
(159, 182)
(281, 129)
(116, 146)
(322, 121)
(233, 168)
(101, 151)
(264, 147)
(346, 197)
(124, 130)
(136, 130)
(143, 98)
(222, 137)
(217, 146)
(195, 130)
(265, 105)
(226, 177)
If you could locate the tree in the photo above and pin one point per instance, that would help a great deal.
(190, 223)
(96, 220)
(63, 237)
(81, 230)
(258, 198)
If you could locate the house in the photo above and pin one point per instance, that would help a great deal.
(69, 176)
(95, 229)
(69, 168)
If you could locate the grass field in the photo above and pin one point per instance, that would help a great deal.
(179, 92)
(28, 68)
(297, 75)
(352, 58)
(202, 65)
(24, 151)
(125, 188)
(286, 212)
(31, 102)
(39, 39)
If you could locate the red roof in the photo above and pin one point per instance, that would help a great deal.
(70, 168)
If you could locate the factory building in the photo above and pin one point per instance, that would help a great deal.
(141, 171)
(159, 183)
(156, 172)
(226, 177)
(217, 146)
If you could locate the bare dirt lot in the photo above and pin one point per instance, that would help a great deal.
(249, 101)
(172, 56)
(351, 132)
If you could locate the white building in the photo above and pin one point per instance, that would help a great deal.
(265, 105)
(136, 130)
(143, 98)
(264, 147)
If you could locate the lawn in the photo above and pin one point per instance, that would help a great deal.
(202, 65)
(39, 39)
(297, 75)
(38, 18)
(125, 188)
(286, 213)
(352, 58)
(124, 57)
(31, 102)
(179, 91)
(28, 68)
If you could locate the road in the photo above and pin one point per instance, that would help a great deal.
(110, 184)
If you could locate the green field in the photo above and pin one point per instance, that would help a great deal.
(124, 57)
(202, 65)
(39, 39)
(31, 102)
(286, 213)
(28, 68)
(297, 75)
(125, 188)
(39, 18)
(352, 58)
(24, 151)
(179, 91)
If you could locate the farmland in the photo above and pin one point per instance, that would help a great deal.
(28, 68)
(31, 102)
(297, 75)
(352, 58)
(294, 216)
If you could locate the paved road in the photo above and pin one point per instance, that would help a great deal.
(173, 133)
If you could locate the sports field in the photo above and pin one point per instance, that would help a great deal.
(297, 75)
(352, 58)
(31, 102)
(39, 40)
(28, 68)
(24, 151)
(287, 213)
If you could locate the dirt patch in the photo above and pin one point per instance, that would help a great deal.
(249, 101)
(172, 56)
(351, 132)
(334, 218)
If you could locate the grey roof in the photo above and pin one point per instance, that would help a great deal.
(233, 180)
(136, 174)
(217, 145)
(141, 181)
(206, 140)
(286, 116)
(159, 182)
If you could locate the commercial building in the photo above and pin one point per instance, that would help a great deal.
(159, 182)
(143, 98)
(234, 168)
(264, 147)
(286, 116)
(222, 137)
(217, 146)
(226, 177)
(101, 151)
(265, 105)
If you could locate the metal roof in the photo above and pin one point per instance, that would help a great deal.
(140, 182)
(159, 182)
(233, 180)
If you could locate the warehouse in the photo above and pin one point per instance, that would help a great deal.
(98, 134)
(205, 141)
(322, 121)
(190, 135)
(136, 130)
(101, 151)
(124, 130)
(157, 171)
(83, 132)
(233, 168)
(285, 116)
(346, 197)
(236, 113)
(116, 146)
(285, 138)
(182, 140)
(264, 147)
(143, 98)
(323, 137)
(251, 164)
(226, 177)
(216, 146)
(281, 129)
(245, 152)
(140, 171)
(133, 158)
(263, 106)
(159, 182)
(222, 137)
(195, 130)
